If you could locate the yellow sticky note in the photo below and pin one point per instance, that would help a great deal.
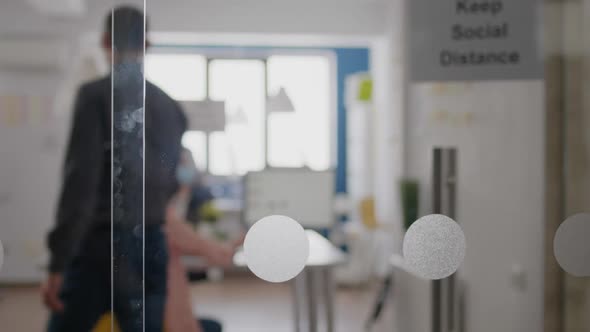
(367, 209)
(12, 110)
(366, 90)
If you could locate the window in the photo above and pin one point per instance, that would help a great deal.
(196, 142)
(300, 138)
(241, 147)
(295, 139)
(181, 76)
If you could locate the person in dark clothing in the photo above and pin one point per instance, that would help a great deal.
(108, 250)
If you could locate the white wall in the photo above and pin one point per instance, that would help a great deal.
(498, 129)
(264, 16)
(281, 18)
(387, 69)
(342, 17)
(31, 154)
(31, 151)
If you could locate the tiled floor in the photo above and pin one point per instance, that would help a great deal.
(243, 304)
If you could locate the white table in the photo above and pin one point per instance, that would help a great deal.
(315, 284)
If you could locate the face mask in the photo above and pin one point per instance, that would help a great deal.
(186, 175)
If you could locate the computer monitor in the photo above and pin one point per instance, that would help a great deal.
(300, 193)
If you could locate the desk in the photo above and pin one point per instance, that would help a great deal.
(315, 284)
(397, 262)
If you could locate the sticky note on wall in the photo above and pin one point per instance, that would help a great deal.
(367, 209)
(366, 90)
(12, 110)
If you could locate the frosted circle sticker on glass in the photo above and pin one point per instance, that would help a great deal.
(434, 247)
(276, 248)
(571, 245)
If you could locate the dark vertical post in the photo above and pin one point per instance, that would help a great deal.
(128, 168)
(437, 208)
(444, 179)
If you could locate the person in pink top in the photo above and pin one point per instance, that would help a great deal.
(184, 240)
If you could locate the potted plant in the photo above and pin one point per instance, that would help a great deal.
(409, 189)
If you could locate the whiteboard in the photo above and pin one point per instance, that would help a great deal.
(302, 194)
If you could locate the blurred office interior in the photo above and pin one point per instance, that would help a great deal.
(322, 86)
